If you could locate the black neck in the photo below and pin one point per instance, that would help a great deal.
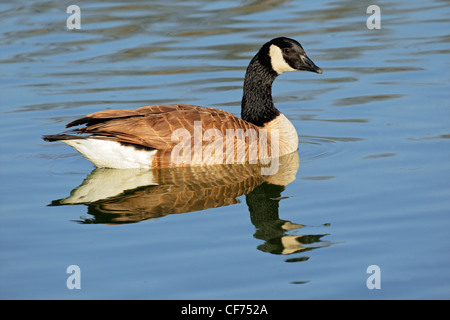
(257, 105)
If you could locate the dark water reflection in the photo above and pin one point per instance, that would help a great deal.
(129, 196)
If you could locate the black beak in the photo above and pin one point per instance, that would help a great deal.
(306, 64)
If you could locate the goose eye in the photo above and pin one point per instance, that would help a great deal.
(286, 50)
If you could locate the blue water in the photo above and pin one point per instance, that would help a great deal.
(372, 186)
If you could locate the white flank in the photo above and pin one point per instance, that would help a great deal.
(112, 154)
(278, 63)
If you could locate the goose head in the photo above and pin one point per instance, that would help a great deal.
(284, 54)
(277, 56)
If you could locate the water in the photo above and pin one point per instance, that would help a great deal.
(372, 185)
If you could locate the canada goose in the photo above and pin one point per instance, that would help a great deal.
(159, 136)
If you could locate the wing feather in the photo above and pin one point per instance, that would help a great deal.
(153, 127)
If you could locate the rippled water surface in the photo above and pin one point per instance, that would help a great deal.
(370, 185)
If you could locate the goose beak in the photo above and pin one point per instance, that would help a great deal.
(307, 64)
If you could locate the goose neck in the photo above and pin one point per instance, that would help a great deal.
(257, 104)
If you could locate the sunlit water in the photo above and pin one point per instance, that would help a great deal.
(372, 185)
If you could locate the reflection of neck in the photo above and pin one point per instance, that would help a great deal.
(257, 104)
(260, 204)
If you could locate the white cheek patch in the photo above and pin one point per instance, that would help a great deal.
(279, 65)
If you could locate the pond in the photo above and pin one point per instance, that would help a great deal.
(362, 210)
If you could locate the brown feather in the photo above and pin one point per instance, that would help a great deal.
(153, 127)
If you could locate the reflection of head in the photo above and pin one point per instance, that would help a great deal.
(263, 204)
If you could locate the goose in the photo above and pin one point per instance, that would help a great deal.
(163, 136)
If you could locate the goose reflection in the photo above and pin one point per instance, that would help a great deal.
(132, 195)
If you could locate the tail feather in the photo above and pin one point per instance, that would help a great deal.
(60, 137)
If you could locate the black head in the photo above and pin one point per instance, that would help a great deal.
(284, 54)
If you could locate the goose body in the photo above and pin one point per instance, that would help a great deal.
(160, 136)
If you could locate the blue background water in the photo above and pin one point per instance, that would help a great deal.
(373, 184)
